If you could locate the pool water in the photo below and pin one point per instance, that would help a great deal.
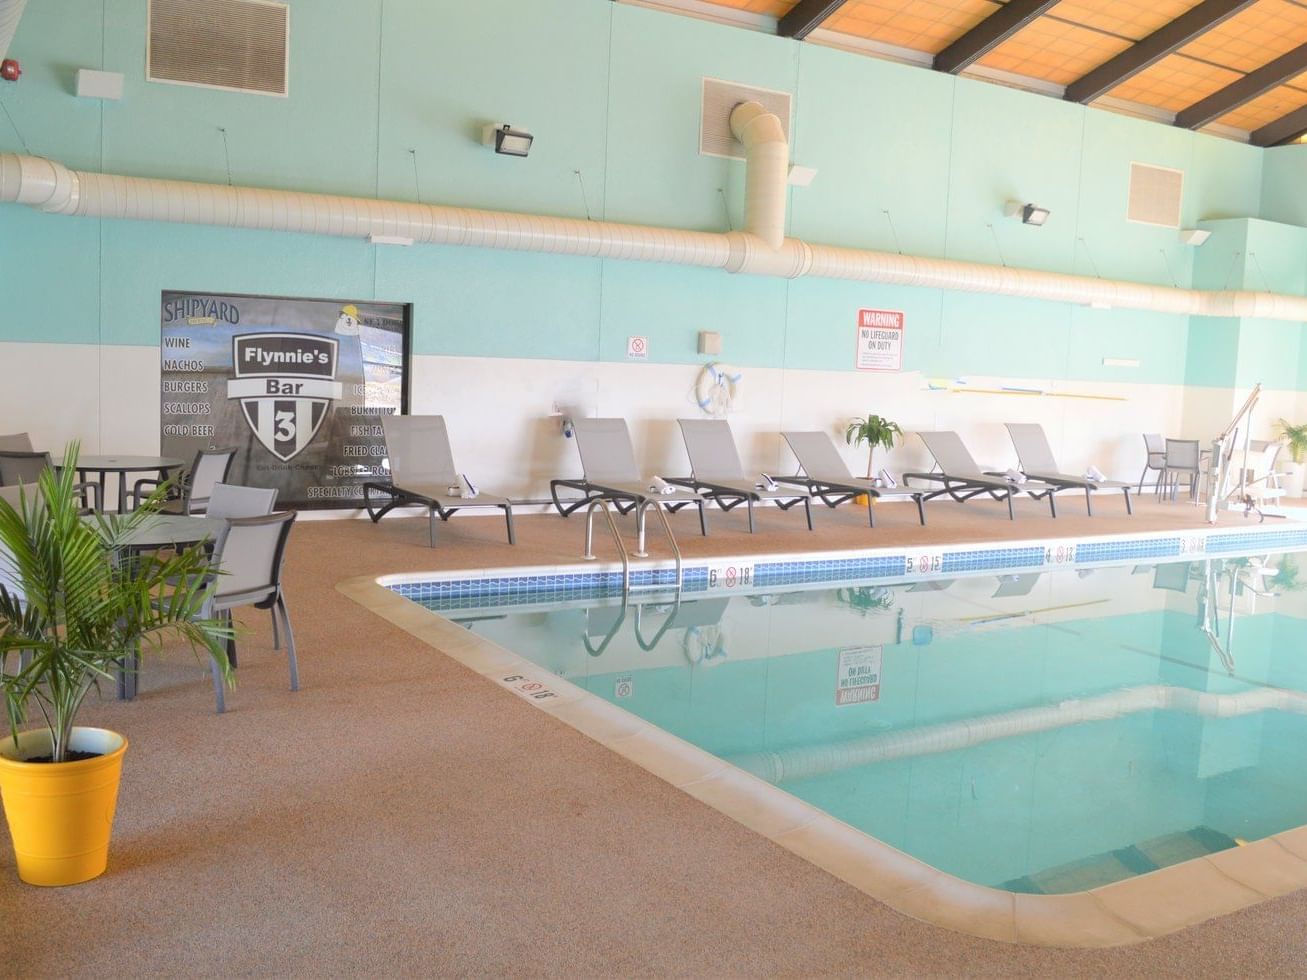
(1041, 733)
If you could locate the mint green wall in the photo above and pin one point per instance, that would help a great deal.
(1264, 256)
(612, 91)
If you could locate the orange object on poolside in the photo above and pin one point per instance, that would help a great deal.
(61, 815)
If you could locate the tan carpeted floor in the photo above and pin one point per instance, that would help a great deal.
(400, 814)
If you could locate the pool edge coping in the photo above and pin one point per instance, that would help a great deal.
(1121, 913)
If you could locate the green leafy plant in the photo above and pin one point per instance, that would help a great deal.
(1295, 437)
(78, 601)
(867, 600)
(875, 431)
(1285, 578)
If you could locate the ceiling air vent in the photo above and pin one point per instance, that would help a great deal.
(241, 45)
(1155, 195)
(719, 98)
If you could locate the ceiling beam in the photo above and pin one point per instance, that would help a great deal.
(806, 17)
(1255, 83)
(1286, 129)
(989, 34)
(1152, 49)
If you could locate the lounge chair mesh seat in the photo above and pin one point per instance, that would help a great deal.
(716, 471)
(962, 479)
(827, 478)
(610, 472)
(1037, 463)
(422, 471)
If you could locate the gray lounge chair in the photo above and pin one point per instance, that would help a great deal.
(611, 472)
(717, 473)
(1037, 462)
(422, 471)
(827, 478)
(962, 479)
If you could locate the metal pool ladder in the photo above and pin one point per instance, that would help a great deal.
(641, 520)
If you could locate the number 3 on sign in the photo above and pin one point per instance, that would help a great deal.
(924, 563)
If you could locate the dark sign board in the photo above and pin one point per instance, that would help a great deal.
(298, 386)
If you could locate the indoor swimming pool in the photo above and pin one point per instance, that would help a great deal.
(1038, 732)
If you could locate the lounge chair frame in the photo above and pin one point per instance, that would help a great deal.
(1039, 468)
(833, 489)
(968, 481)
(426, 492)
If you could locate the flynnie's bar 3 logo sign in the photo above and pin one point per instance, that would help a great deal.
(285, 383)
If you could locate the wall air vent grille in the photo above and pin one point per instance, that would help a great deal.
(1155, 194)
(719, 98)
(241, 45)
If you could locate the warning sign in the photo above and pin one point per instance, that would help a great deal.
(880, 341)
(637, 348)
(858, 678)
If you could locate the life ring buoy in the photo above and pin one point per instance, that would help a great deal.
(716, 387)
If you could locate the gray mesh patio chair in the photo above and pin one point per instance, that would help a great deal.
(230, 500)
(717, 473)
(26, 467)
(962, 479)
(190, 495)
(827, 478)
(1155, 446)
(610, 471)
(422, 471)
(1037, 463)
(249, 552)
(1183, 459)
(17, 442)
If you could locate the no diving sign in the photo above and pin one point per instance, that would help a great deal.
(880, 340)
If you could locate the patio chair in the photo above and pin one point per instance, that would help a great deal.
(422, 471)
(1183, 459)
(610, 472)
(827, 478)
(1155, 446)
(230, 500)
(18, 442)
(717, 473)
(1037, 463)
(963, 479)
(26, 467)
(249, 552)
(190, 494)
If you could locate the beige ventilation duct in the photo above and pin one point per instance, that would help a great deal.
(54, 188)
(10, 12)
(804, 761)
(767, 164)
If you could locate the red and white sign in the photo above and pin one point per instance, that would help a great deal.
(880, 340)
(637, 348)
(858, 678)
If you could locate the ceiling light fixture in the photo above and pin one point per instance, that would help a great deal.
(503, 138)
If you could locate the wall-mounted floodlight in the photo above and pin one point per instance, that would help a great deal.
(503, 138)
(1194, 236)
(1030, 214)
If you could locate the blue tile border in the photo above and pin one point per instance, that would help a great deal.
(772, 570)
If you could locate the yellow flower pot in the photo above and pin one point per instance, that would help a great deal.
(61, 816)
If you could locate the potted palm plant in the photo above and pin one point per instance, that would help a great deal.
(75, 605)
(875, 431)
(1295, 441)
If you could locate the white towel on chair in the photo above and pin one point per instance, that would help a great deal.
(659, 485)
(886, 480)
(1014, 476)
(1094, 475)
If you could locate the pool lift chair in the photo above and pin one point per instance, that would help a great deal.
(962, 478)
(422, 471)
(826, 476)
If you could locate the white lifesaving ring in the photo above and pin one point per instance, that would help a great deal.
(716, 387)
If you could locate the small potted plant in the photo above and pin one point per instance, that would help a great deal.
(875, 431)
(1295, 441)
(75, 606)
